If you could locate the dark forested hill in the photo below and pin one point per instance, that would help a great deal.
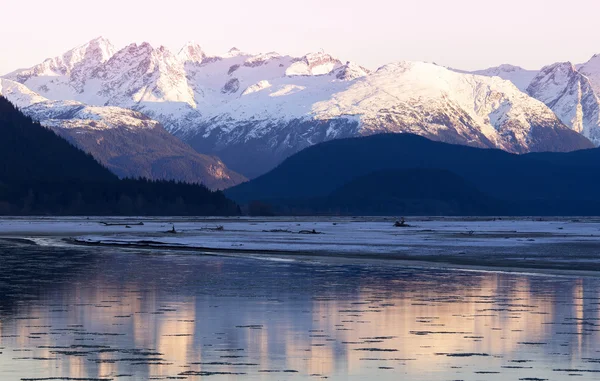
(549, 183)
(41, 173)
(409, 191)
(29, 151)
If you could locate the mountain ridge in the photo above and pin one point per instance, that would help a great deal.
(254, 110)
(519, 184)
(571, 91)
(127, 142)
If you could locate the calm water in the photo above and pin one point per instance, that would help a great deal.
(126, 315)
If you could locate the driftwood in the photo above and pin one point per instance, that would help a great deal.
(401, 224)
(119, 224)
(309, 232)
(218, 228)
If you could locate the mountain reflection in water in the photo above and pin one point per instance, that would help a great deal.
(105, 313)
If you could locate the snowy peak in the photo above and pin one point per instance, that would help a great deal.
(517, 75)
(130, 52)
(191, 52)
(551, 81)
(507, 68)
(233, 52)
(261, 59)
(76, 61)
(99, 50)
(314, 64)
(571, 96)
(350, 71)
(491, 102)
(571, 92)
(591, 69)
(140, 73)
(89, 55)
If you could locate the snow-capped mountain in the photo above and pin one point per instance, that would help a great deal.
(571, 96)
(313, 64)
(254, 110)
(127, 142)
(292, 113)
(571, 92)
(591, 69)
(76, 64)
(517, 75)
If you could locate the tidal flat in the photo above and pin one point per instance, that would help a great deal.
(98, 299)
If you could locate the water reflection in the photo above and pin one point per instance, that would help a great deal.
(107, 314)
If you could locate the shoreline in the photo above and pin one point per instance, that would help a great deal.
(449, 262)
(552, 246)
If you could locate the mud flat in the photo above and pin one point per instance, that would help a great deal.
(526, 243)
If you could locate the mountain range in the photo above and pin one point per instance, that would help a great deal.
(254, 110)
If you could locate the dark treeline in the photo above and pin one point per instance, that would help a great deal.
(124, 197)
(43, 174)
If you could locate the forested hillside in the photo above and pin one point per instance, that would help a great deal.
(41, 173)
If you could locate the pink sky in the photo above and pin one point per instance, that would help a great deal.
(465, 34)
